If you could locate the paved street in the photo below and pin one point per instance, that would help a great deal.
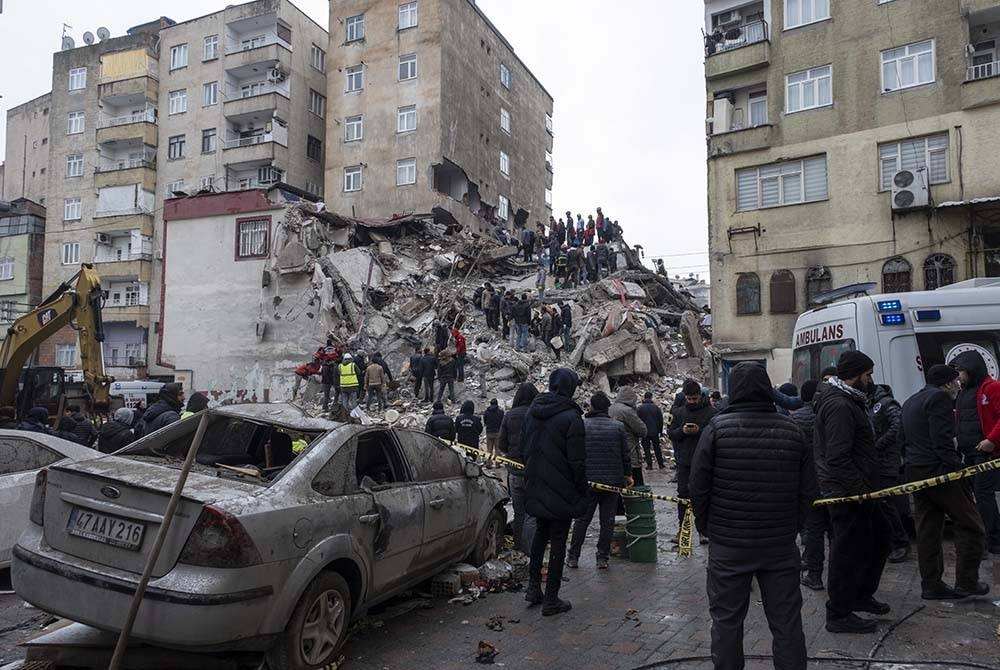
(671, 621)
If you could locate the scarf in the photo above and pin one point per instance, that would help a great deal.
(849, 390)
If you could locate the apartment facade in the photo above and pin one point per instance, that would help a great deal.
(26, 155)
(819, 114)
(22, 240)
(428, 107)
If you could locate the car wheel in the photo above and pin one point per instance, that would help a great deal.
(317, 628)
(490, 539)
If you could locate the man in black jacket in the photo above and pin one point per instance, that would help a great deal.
(440, 424)
(929, 440)
(492, 418)
(652, 416)
(886, 417)
(164, 411)
(116, 433)
(818, 519)
(428, 366)
(608, 462)
(567, 323)
(510, 445)
(847, 465)
(686, 425)
(555, 482)
(468, 425)
(415, 371)
(521, 312)
(752, 526)
(446, 375)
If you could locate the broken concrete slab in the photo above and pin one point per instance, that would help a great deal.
(602, 382)
(409, 310)
(353, 266)
(657, 357)
(610, 348)
(632, 290)
(502, 374)
(498, 254)
(294, 257)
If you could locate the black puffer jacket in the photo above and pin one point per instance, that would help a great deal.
(652, 416)
(428, 364)
(752, 481)
(805, 419)
(554, 451)
(113, 436)
(85, 430)
(509, 441)
(970, 429)
(468, 425)
(446, 369)
(928, 433)
(843, 443)
(521, 312)
(161, 413)
(608, 457)
(684, 444)
(440, 425)
(886, 416)
(492, 418)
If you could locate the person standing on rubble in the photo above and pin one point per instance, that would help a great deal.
(600, 225)
(492, 419)
(415, 371)
(555, 246)
(573, 262)
(375, 381)
(350, 383)
(446, 375)
(441, 334)
(540, 277)
(569, 229)
(652, 416)
(428, 367)
(521, 311)
(556, 482)
(580, 228)
(506, 303)
(591, 230)
(567, 322)
(527, 243)
(510, 444)
(624, 410)
(549, 329)
(686, 425)
(468, 425)
(493, 316)
(486, 298)
(461, 349)
(439, 424)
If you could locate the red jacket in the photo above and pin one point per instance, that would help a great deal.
(988, 401)
(459, 341)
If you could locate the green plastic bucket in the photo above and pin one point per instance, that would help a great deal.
(640, 527)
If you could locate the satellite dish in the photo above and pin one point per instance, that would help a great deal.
(88, 37)
(67, 43)
(103, 33)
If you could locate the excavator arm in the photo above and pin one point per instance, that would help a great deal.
(79, 305)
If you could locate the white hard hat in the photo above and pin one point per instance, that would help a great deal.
(348, 357)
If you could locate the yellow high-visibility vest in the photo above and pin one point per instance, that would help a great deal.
(348, 375)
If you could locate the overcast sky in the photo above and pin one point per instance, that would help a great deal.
(628, 87)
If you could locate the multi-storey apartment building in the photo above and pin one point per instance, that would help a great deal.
(428, 106)
(22, 239)
(848, 142)
(26, 155)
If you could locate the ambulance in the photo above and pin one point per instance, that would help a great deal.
(904, 333)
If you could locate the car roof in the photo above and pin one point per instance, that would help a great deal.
(57, 444)
(282, 414)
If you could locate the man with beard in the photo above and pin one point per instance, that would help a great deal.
(686, 425)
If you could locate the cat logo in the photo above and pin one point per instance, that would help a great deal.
(46, 316)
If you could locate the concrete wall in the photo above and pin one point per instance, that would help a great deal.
(26, 158)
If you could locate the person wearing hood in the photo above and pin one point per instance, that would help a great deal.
(886, 416)
(652, 416)
(164, 411)
(608, 462)
(446, 375)
(197, 402)
(428, 367)
(8, 418)
(86, 433)
(439, 424)
(36, 421)
(753, 528)
(416, 376)
(978, 408)
(468, 425)
(928, 436)
(521, 313)
(686, 425)
(492, 418)
(817, 527)
(66, 430)
(461, 351)
(117, 433)
(847, 465)
(510, 445)
(624, 410)
(786, 396)
(555, 482)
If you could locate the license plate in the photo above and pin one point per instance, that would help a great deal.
(105, 529)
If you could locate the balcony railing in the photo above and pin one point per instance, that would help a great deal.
(127, 211)
(983, 71)
(734, 38)
(248, 141)
(149, 116)
(236, 45)
(241, 91)
(124, 258)
(125, 361)
(124, 164)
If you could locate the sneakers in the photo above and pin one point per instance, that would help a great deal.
(533, 595)
(553, 607)
(812, 581)
(572, 562)
(940, 592)
(873, 606)
(602, 564)
(977, 589)
(899, 554)
(851, 623)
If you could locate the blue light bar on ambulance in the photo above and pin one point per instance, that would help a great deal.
(893, 319)
(928, 315)
(889, 305)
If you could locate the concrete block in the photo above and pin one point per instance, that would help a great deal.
(610, 348)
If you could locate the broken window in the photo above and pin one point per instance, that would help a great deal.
(378, 462)
(782, 292)
(896, 275)
(939, 270)
(252, 237)
(503, 208)
(818, 281)
(431, 458)
(748, 293)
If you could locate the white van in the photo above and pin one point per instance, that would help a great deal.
(133, 394)
(904, 333)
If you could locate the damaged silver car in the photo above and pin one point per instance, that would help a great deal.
(288, 528)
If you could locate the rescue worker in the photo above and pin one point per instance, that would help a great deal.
(350, 384)
(329, 378)
(468, 425)
(446, 375)
(375, 381)
(567, 323)
(439, 424)
(461, 349)
(197, 402)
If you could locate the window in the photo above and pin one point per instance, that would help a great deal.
(505, 120)
(748, 293)
(71, 209)
(808, 89)
(208, 140)
(407, 67)
(65, 355)
(930, 153)
(355, 78)
(758, 109)
(352, 178)
(314, 148)
(178, 101)
(907, 66)
(251, 235)
(548, 198)
(175, 187)
(896, 275)
(251, 89)
(801, 12)
(354, 128)
(211, 50)
(406, 171)
(787, 183)
(175, 147)
(939, 270)
(355, 28)
(406, 119)
(782, 292)
(408, 15)
(74, 165)
(74, 124)
(432, 459)
(70, 253)
(178, 56)
(548, 160)
(132, 293)
(7, 308)
(503, 208)
(317, 103)
(818, 280)
(207, 182)
(315, 189)
(268, 174)
(504, 164)
(505, 75)
(6, 268)
(77, 78)
(210, 94)
(317, 58)
(548, 123)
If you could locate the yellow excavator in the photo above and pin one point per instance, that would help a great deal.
(78, 305)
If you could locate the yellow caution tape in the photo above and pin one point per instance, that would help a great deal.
(684, 539)
(912, 487)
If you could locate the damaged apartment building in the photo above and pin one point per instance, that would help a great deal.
(429, 109)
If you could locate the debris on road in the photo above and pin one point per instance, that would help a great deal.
(486, 653)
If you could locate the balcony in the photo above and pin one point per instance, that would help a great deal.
(271, 100)
(122, 91)
(251, 48)
(122, 361)
(130, 267)
(127, 171)
(135, 126)
(116, 224)
(739, 141)
(255, 149)
(737, 50)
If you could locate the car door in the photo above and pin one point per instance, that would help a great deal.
(440, 474)
(20, 460)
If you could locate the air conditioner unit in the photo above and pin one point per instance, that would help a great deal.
(275, 75)
(909, 190)
(103, 238)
